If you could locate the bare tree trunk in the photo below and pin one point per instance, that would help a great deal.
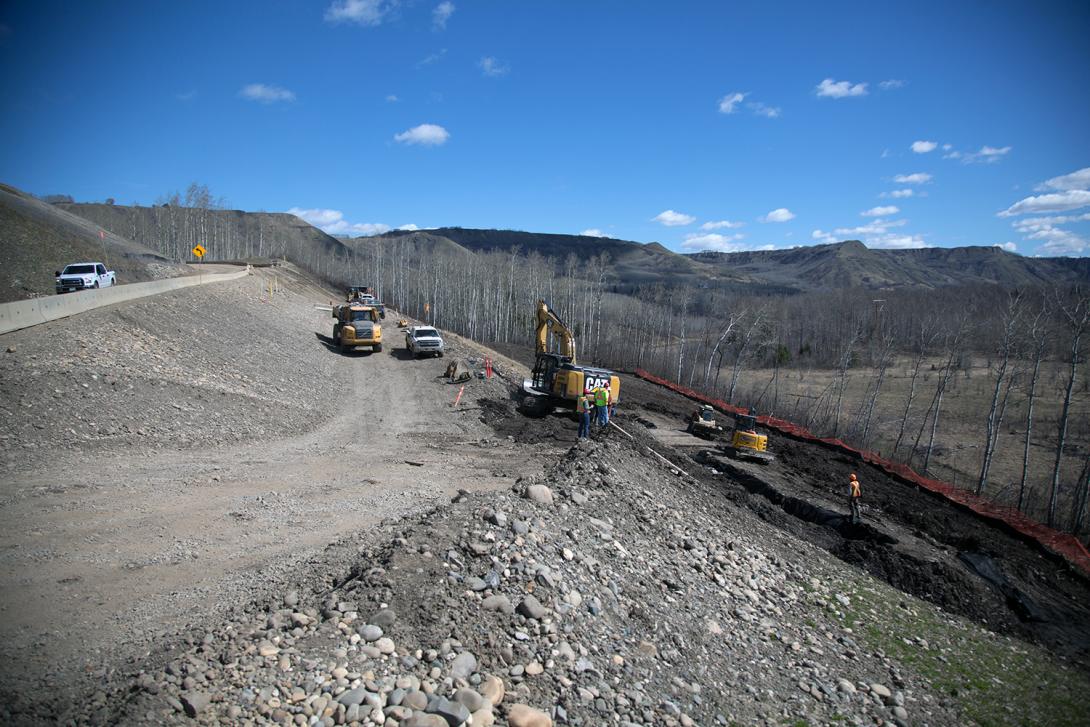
(1075, 316)
(1080, 506)
(883, 364)
(1006, 348)
(1039, 335)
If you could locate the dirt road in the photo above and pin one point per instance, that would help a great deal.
(105, 548)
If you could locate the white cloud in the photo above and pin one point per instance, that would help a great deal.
(1067, 182)
(492, 67)
(1008, 246)
(671, 218)
(425, 135)
(332, 222)
(441, 15)
(392, 99)
(728, 104)
(361, 12)
(186, 96)
(780, 214)
(917, 178)
(714, 241)
(592, 232)
(896, 242)
(409, 227)
(428, 60)
(923, 147)
(770, 112)
(266, 94)
(986, 155)
(877, 234)
(881, 211)
(1034, 222)
(840, 89)
(1059, 242)
(900, 193)
(1056, 202)
(891, 84)
(721, 225)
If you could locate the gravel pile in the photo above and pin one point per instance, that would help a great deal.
(166, 372)
(611, 590)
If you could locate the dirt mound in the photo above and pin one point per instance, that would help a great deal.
(37, 239)
(609, 590)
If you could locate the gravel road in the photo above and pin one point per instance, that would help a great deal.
(160, 458)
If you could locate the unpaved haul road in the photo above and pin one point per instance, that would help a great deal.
(100, 555)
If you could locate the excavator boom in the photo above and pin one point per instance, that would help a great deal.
(547, 322)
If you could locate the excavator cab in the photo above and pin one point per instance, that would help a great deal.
(556, 379)
(746, 443)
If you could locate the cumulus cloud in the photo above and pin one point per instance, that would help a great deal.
(840, 89)
(592, 232)
(729, 103)
(713, 241)
(900, 193)
(670, 218)
(721, 225)
(392, 99)
(923, 147)
(441, 14)
(878, 234)
(1067, 182)
(917, 178)
(332, 222)
(780, 214)
(881, 211)
(492, 67)
(424, 135)
(891, 84)
(360, 12)
(1056, 202)
(409, 227)
(263, 93)
(1059, 241)
(1008, 246)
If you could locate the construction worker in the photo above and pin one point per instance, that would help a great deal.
(854, 496)
(582, 408)
(601, 404)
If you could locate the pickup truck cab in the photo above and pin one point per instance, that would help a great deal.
(422, 340)
(83, 276)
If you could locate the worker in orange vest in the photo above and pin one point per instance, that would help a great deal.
(854, 496)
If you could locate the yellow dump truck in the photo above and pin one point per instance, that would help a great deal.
(357, 325)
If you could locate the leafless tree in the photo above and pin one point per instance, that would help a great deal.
(1038, 333)
(1003, 376)
(1074, 311)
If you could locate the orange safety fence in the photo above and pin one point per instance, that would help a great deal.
(1066, 545)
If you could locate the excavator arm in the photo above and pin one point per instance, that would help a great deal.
(549, 322)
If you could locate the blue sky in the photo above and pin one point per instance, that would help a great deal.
(728, 125)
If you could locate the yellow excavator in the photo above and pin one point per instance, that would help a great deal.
(557, 379)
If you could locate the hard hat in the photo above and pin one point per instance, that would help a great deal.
(852, 476)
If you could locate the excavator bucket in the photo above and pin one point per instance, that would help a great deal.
(457, 372)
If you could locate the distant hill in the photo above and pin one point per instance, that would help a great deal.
(233, 234)
(37, 239)
(853, 264)
(819, 267)
(226, 234)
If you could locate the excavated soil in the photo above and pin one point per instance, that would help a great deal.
(912, 539)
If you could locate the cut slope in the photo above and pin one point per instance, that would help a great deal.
(37, 239)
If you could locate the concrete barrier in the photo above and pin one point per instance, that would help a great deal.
(35, 311)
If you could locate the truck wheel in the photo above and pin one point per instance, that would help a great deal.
(378, 348)
(440, 354)
(95, 285)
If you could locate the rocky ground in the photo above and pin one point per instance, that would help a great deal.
(480, 567)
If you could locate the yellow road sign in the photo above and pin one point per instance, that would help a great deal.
(199, 250)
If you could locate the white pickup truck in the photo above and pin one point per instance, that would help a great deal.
(421, 340)
(84, 276)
